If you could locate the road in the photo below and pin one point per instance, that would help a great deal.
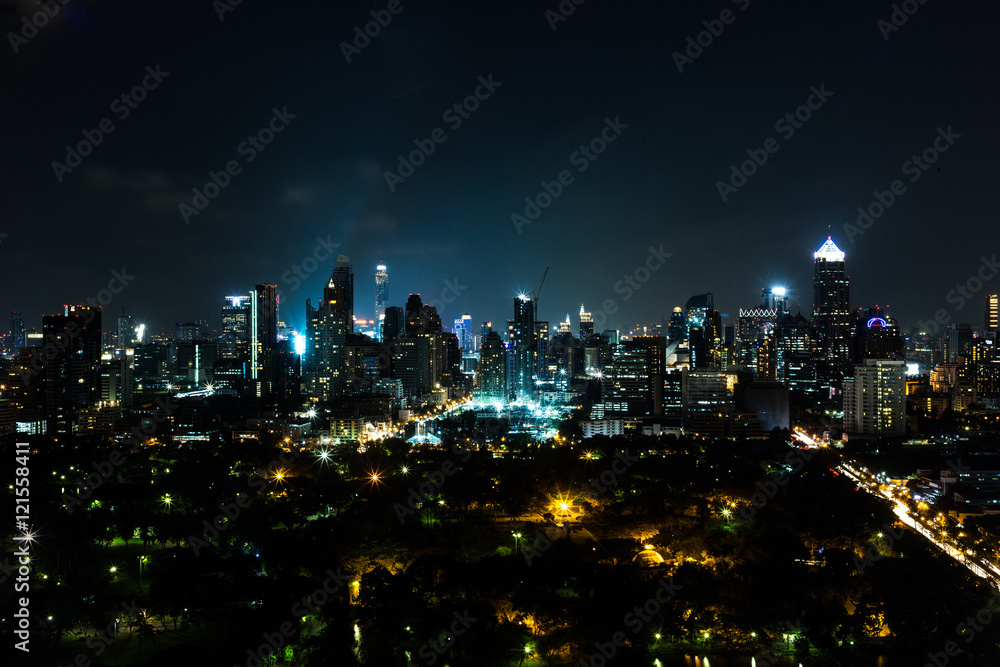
(979, 566)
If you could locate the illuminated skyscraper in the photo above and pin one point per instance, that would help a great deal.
(71, 376)
(831, 307)
(342, 278)
(586, 323)
(875, 399)
(992, 312)
(16, 332)
(491, 373)
(463, 330)
(234, 340)
(381, 295)
(525, 350)
(324, 361)
(263, 336)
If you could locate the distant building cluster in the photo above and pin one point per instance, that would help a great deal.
(693, 373)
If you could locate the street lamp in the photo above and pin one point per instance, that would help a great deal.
(517, 537)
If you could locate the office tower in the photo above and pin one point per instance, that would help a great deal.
(774, 298)
(793, 340)
(421, 317)
(463, 331)
(704, 331)
(287, 370)
(958, 338)
(525, 351)
(393, 324)
(586, 323)
(491, 373)
(323, 364)
(234, 341)
(633, 381)
(412, 364)
(767, 358)
(875, 399)
(831, 307)
(16, 332)
(707, 397)
(565, 327)
(992, 312)
(342, 278)
(875, 335)
(541, 343)
(71, 378)
(769, 401)
(125, 336)
(677, 328)
(381, 295)
(117, 376)
(188, 331)
(263, 337)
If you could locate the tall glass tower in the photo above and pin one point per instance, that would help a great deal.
(381, 296)
(831, 307)
(342, 278)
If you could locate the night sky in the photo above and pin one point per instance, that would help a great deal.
(449, 223)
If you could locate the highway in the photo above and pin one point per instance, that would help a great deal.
(980, 567)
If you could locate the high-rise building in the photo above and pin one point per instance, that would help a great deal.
(323, 364)
(463, 331)
(16, 332)
(343, 278)
(703, 330)
(126, 335)
(234, 341)
(525, 350)
(633, 382)
(263, 337)
(381, 295)
(875, 335)
(393, 324)
(117, 376)
(992, 312)
(491, 373)
(831, 303)
(71, 378)
(586, 323)
(875, 399)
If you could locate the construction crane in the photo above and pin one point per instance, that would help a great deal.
(534, 295)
